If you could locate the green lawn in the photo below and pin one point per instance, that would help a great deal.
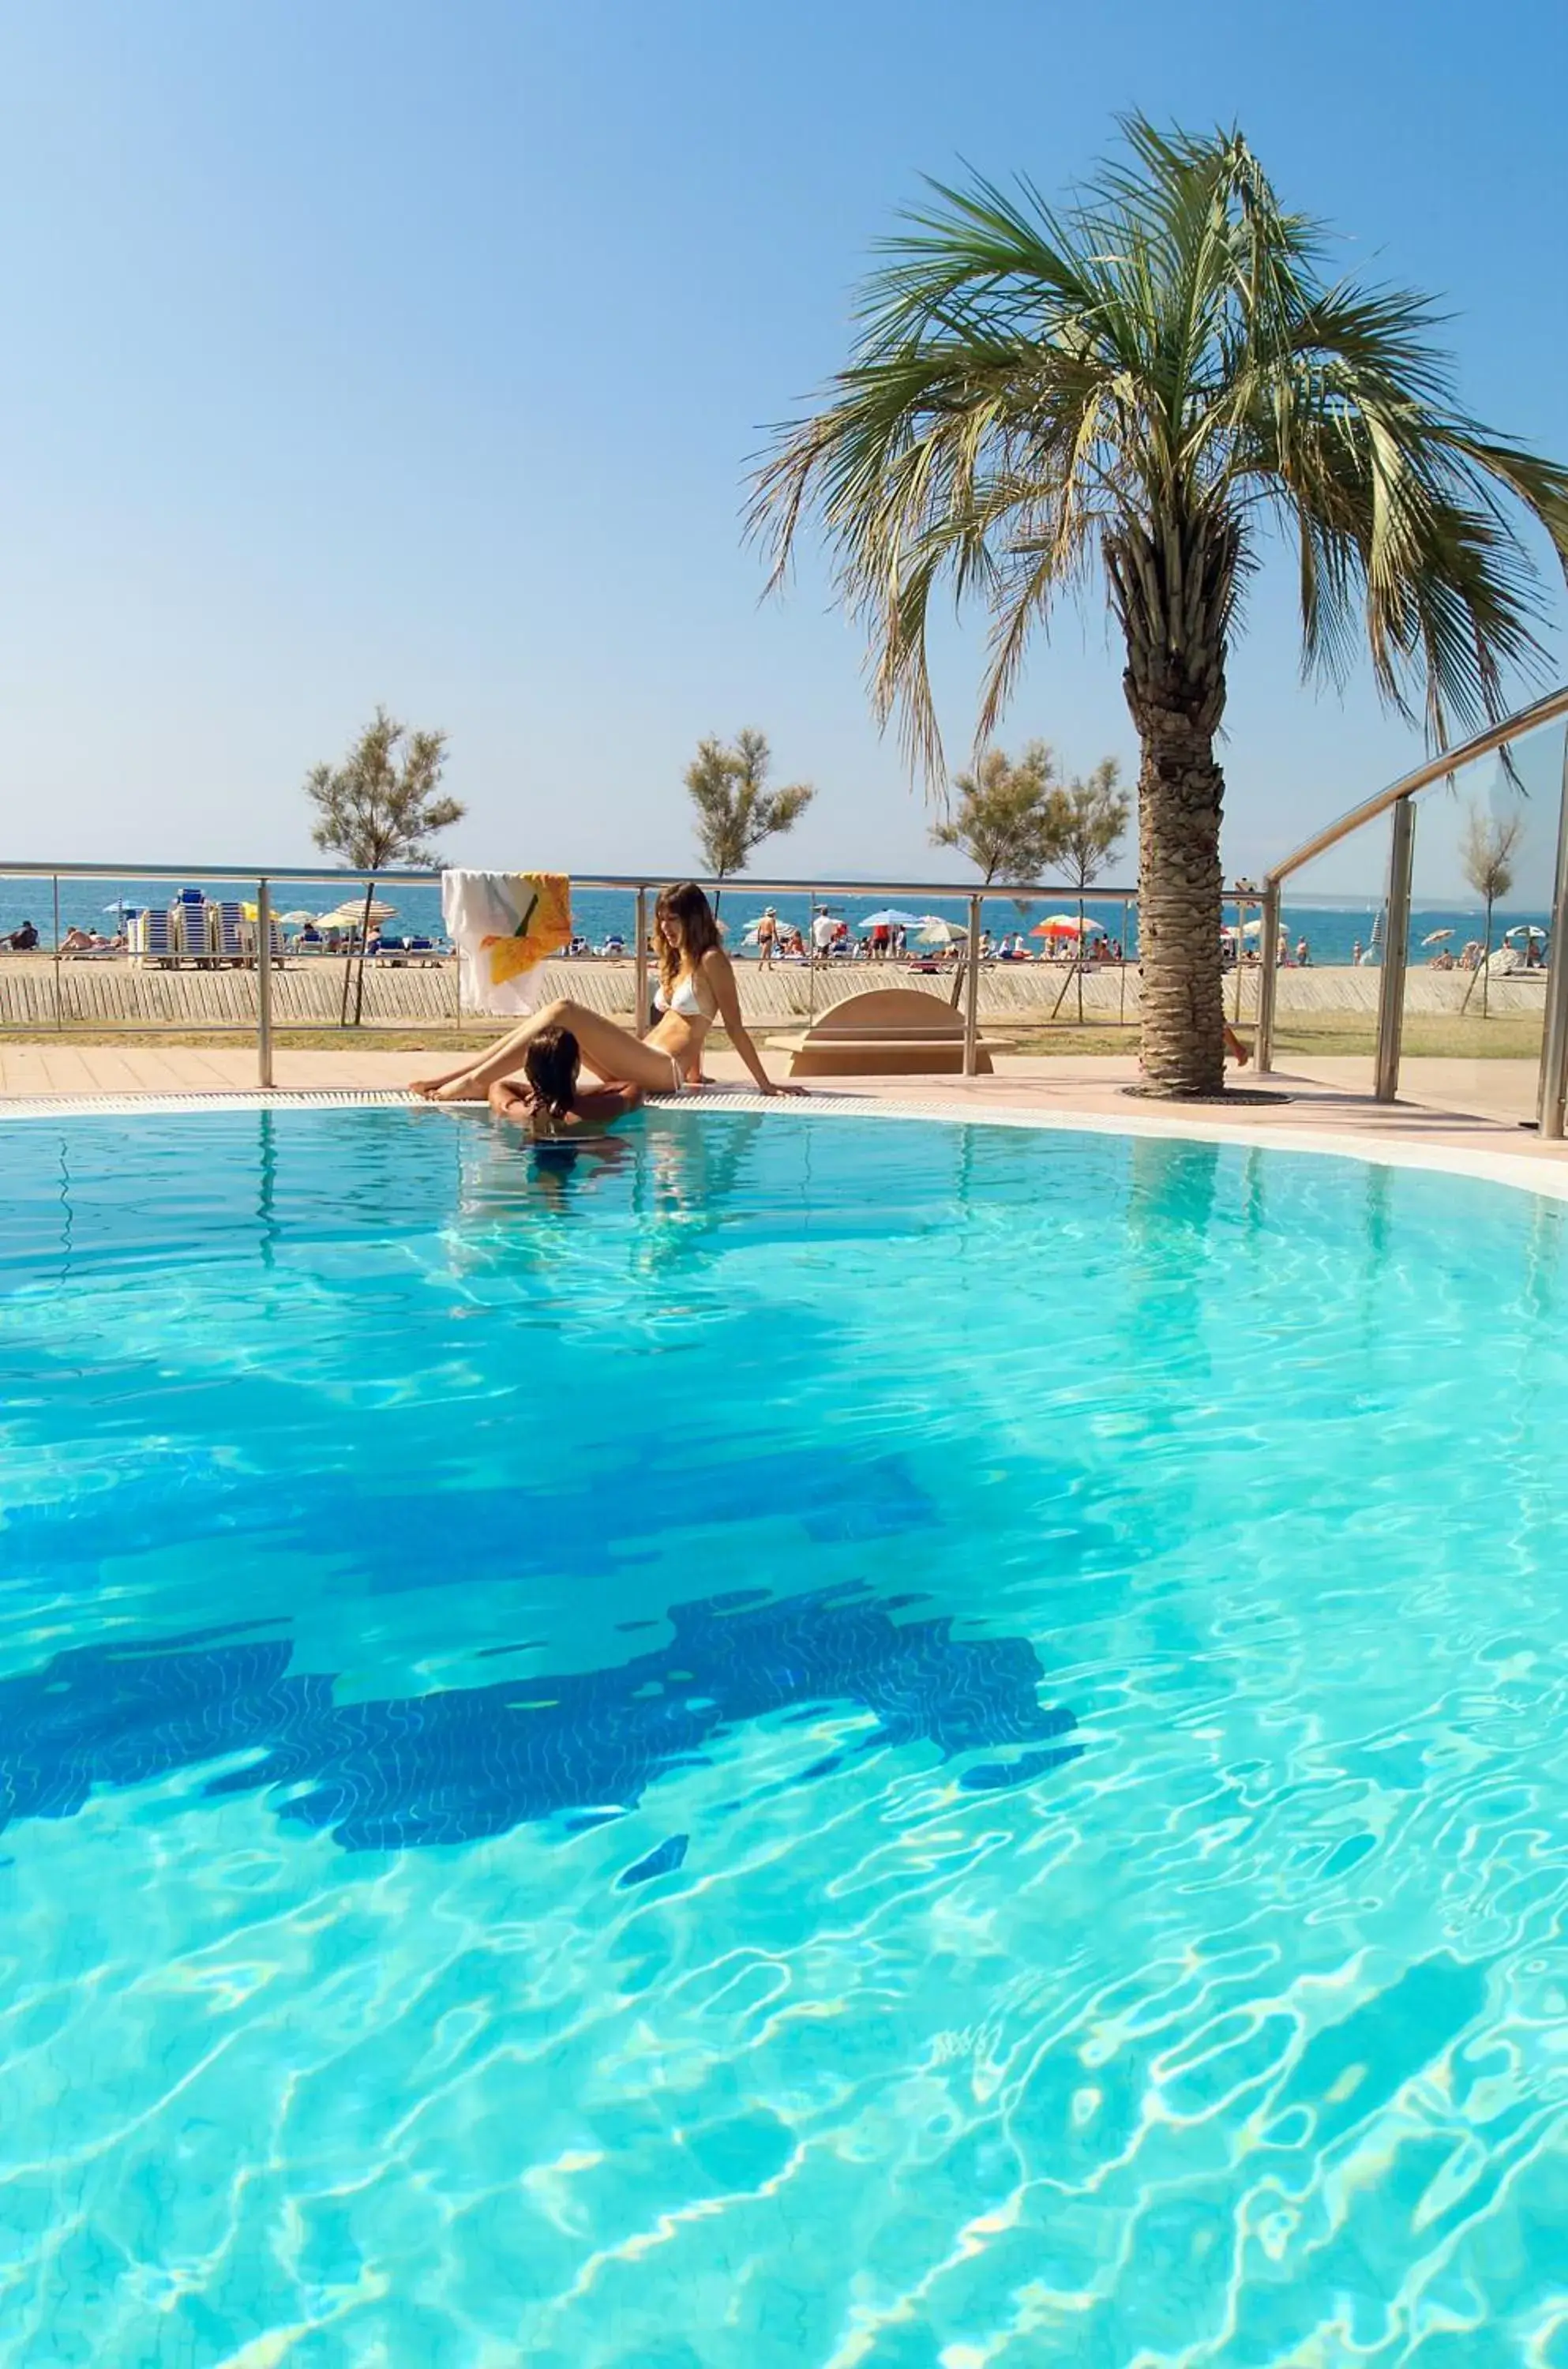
(1502, 1037)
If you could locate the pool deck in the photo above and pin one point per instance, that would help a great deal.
(1449, 1107)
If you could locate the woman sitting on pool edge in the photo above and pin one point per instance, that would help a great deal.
(696, 988)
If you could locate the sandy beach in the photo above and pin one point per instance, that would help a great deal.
(38, 993)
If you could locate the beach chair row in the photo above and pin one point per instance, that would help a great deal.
(193, 930)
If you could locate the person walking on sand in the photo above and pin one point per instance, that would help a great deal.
(767, 937)
(696, 989)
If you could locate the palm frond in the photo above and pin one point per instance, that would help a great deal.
(1124, 381)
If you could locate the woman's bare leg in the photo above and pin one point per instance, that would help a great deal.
(428, 1086)
(614, 1054)
(502, 1049)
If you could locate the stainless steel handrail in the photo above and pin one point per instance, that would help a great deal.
(747, 883)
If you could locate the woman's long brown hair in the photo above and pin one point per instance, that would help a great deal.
(685, 904)
(550, 1063)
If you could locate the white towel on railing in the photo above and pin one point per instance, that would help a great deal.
(504, 925)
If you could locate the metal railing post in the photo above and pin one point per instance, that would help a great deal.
(1268, 979)
(1391, 986)
(264, 982)
(811, 961)
(972, 993)
(1240, 952)
(1121, 997)
(1554, 1039)
(639, 962)
(58, 1010)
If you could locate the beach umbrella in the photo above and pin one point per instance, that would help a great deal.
(934, 930)
(1066, 925)
(348, 915)
(1524, 929)
(295, 921)
(1436, 937)
(890, 918)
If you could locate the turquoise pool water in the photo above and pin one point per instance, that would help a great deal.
(808, 1742)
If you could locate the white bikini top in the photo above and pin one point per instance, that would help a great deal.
(687, 998)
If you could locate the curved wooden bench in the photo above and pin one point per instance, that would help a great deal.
(889, 1032)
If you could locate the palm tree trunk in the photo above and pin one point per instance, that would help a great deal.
(1181, 792)
(1170, 586)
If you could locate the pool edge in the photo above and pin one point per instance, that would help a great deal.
(1547, 1179)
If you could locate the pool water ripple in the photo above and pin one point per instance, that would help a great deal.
(791, 1744)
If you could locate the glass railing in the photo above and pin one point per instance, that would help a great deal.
(1451, 965)
(126, 951)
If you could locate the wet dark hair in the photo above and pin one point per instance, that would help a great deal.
(550, 1064)
(686, 906)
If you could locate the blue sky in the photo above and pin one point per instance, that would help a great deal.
(382, 352)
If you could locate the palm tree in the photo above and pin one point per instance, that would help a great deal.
(1148, 387)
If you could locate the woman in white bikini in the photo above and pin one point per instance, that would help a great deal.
(696, 988)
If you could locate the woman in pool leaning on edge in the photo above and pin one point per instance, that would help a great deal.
(696, 988)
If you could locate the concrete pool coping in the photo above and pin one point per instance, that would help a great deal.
(1486, 1155)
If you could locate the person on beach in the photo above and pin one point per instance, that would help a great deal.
(549, 1100)
(23, 941)
(696, 988)
(767, 937)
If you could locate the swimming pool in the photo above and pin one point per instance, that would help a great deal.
(802, 1741)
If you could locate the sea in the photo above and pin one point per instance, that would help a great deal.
(1334, 928)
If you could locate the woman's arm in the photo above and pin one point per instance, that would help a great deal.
(720, 973)
(602, 1105)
